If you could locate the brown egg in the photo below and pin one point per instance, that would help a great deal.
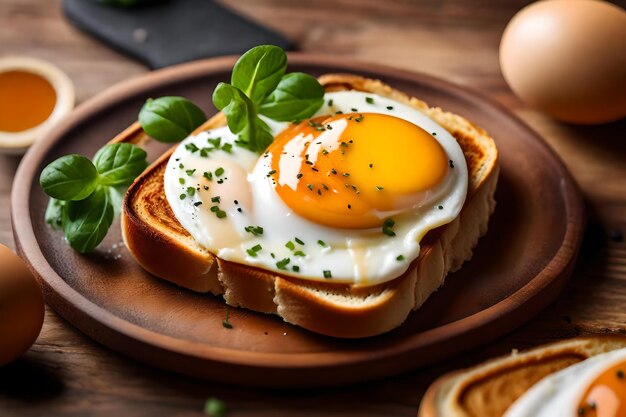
(568, 59)
(21, 307)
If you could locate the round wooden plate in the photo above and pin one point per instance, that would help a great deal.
(518, 267)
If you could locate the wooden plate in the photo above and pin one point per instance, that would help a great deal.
(518, 268)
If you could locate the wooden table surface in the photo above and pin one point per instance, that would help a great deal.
(65, 373)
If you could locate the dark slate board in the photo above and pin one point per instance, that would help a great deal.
(171, 32)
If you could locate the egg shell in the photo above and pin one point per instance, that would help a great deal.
(21, 307)
(568, 59)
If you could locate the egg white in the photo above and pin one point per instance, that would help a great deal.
(248, 197)
(559, 394)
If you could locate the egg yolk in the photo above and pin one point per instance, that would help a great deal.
(353, 170)
(606, 395)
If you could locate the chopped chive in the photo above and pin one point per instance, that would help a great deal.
(215, 199)
(369, 100)
(387, 227)
(181, 166)
(183, 196)
(227, 147)
(379, 188)
(330, 102)
(309, 186)
(198, 203)
(434, 133)
(298, 241)
(271, 172)
(346, 174)
(299, 253)
(400, 258)
(219, 171)
(321, 243)
(215, 141)
(251, 253)
(309, 163)
(208, 176)
(295, 268)
(192, 147)
(220, 214)
(214, 209)
(333, 171)
(191, 191)
(299, 175)
(290, 245)
(359, 119)
(325, 187)
(255, 230)
(325, 152)
(389, 107)
(354, 109)
(282, 264)
(256, 248)
(190, 172)
(181, 180)
(327, 274)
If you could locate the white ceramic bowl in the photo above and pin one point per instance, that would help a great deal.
(18, 142)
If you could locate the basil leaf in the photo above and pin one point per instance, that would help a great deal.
(54, 213)
(71, 177)
(252, 132)
(297, 96)
(120, 163)
(87, 222)
(170, 119)
(116, 196)
(258, 71)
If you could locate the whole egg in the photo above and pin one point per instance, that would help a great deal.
(567, 58)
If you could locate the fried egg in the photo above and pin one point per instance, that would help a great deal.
(595, 387)
(344, 196)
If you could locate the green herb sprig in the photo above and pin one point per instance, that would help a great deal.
(86, 195)
(259, 86)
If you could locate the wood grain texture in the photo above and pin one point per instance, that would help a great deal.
(67, 374)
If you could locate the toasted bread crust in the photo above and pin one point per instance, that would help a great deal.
(489, 389)
(165, 249)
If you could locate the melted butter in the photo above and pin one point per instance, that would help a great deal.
(26, 100)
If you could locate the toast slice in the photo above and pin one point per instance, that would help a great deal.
(163, 247)
(489, 389)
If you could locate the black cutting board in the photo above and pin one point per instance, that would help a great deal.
(170, 32)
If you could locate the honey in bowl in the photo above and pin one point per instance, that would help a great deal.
(34, 95)
(26, 100)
